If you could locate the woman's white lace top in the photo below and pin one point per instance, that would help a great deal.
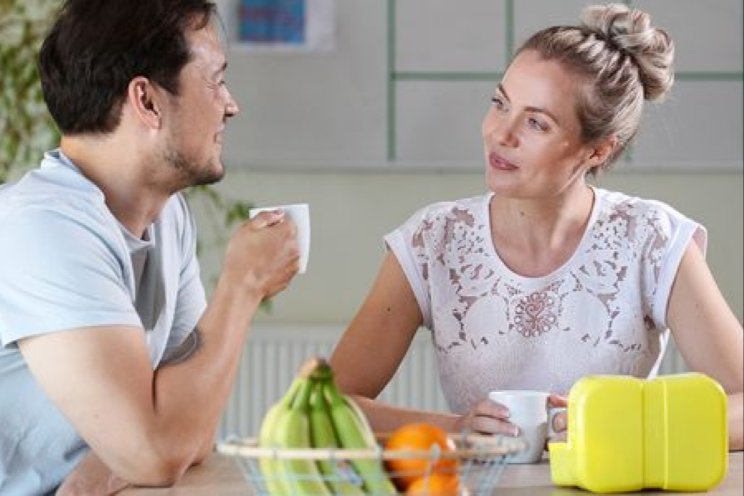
(602, 312)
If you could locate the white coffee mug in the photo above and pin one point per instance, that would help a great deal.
(300, 215)
(530, 411)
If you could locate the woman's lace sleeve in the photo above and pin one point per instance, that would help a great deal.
(408, 244)
(666, 238)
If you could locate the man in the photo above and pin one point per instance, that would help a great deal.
(113, 369)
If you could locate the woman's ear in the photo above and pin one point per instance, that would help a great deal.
(144, 99)
(600, 152)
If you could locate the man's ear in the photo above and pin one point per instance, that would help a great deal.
(600, 152)
(144, 99)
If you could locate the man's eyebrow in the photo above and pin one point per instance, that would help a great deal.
(503, 92)
(222, 68)
(530, 109)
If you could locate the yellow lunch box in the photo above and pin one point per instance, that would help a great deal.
(627, 434)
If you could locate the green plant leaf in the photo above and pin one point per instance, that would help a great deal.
(237, 211)
(27, 128)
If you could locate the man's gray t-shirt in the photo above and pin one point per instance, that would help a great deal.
(66, 263)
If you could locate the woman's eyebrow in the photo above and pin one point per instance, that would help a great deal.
(539, 110)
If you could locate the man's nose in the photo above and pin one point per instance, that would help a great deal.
(231, 107)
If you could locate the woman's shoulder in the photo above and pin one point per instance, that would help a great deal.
(438, 224)
(616, 203)
(465, 209)
(639, 215)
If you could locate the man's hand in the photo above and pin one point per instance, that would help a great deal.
(263, 254)
(91, 478)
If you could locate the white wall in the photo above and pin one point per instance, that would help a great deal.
(409, 81)
(320, 128)
(351, 211)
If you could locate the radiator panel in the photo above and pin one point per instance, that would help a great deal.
(274, 354)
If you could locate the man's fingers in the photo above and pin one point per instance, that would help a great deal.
(267, 218)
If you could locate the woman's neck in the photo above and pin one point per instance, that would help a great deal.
(535, 237)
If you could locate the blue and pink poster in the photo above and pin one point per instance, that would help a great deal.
(286, 24)
(272, 21)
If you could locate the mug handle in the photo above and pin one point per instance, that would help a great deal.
(552, 412)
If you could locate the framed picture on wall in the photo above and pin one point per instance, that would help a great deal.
(280, 25)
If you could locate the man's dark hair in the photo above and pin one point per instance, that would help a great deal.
(96, 47)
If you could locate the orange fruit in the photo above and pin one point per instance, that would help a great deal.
(419, 437)
(435, 485)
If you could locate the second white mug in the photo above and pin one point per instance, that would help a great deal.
(528, 410)
(300, 215)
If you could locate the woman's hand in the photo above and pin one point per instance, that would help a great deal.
(560, 420)
(487, 417)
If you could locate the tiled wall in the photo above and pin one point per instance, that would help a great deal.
(447, 56)
(408, 82)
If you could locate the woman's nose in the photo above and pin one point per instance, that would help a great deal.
(501, 131)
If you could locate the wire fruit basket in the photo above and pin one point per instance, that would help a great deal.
(478, 462)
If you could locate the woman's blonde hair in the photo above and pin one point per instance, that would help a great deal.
(620, 58)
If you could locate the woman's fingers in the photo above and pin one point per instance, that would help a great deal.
(490, 425)
(557, 400)
(560, 422)
(560, 419)
(489, 417)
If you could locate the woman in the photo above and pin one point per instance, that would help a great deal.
(546, 279)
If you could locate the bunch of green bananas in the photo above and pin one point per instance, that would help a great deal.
(315, 414)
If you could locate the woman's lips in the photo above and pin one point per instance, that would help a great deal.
(500, 163)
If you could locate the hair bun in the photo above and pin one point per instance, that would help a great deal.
(631, 32)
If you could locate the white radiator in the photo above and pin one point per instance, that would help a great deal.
(274, 354)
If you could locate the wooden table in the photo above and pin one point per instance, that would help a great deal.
(220, 475)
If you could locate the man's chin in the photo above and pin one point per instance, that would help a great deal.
(209, 177)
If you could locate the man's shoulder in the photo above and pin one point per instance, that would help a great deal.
(54, 207)
(23, 204)
(52, 187)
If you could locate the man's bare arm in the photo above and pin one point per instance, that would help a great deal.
(149, 425)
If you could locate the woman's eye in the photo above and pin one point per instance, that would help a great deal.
(537, 124)
(498, 102)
